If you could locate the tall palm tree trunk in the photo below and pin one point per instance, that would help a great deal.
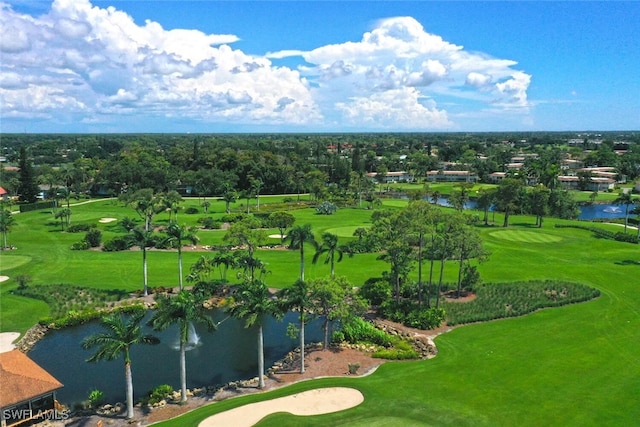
(183, 372)
(180, 264)
(420, 272)
(260, 357)
(144, 270)
(129, 381)
(325, 328)
(302, 261)
(301, 340)
(440, 282)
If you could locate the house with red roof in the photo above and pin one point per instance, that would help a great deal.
(27, 391)
(4, 194)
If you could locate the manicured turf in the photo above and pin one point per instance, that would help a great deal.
(525, 236)
(577, 365)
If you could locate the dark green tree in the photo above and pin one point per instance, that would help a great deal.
(184, 310)
(121, 334)
(252, 303)
(28, 189)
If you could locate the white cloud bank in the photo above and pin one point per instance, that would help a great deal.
(84, 63)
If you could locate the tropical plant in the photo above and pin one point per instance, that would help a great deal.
(330, 247)
(625, 199)
(297, 237)
(297, 297)
(177, 234)
(281, 220)
(143, 239)
(121, 334)
(184, 310)
(252, 303)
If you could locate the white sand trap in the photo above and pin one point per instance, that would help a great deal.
(107, 220)
(313, 402)
(6, 338)
(3, 278)
(277, 236)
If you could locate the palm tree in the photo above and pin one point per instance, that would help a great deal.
(118, 339)
(253, 303)
(143, 239)
(625, 199)
(298, 236)
(184, 309)
(177, 234)
(297, 297)
(330, 247)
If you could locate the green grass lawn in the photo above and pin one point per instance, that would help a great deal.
(577, 365)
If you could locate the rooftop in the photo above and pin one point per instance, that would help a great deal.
(23, 379)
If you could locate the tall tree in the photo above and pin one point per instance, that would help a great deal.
(178, 234)
(121, 334)
(184, 310)
(539, 202)
(252, 303)
(297, 237)
(6, 223)
(297, 297)
(421, 220)
(507, 197)
(625, 198)
(334, 299)
(28, 189)
(485, 200)
(281, 220)
(143, 239)
(330, 247)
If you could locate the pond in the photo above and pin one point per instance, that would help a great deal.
(228, 354)
(587, 212)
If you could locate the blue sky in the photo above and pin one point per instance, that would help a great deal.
(345, 66)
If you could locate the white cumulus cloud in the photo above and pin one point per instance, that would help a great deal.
(92, 63)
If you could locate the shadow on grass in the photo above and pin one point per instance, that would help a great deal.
(627, 262)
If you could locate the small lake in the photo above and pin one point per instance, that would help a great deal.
(587, 212)
(228, 354)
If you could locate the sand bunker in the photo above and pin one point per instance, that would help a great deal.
(313, 402)
(3, 278)
(106, 220)
(277, 236)
(6, 338)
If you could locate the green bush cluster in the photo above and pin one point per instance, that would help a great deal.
(496, 301)
(191, 210)
(157, 394)
(78, 228)
(210, 223)
(63, 298)
(120, 243)
(74, 318)
(605, 234)
(402, 350)
(409, 313)
(326, 208)
(37, 206)
(355, 329)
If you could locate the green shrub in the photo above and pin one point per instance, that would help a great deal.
(78, 228)
(326, 208)
(120, 243)
(191, 210)
(159, 393)
(93, 237)
(210, 223)
(82, 245)
(356, 329)
(496, 301)
(96, 397)
(376, 290)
